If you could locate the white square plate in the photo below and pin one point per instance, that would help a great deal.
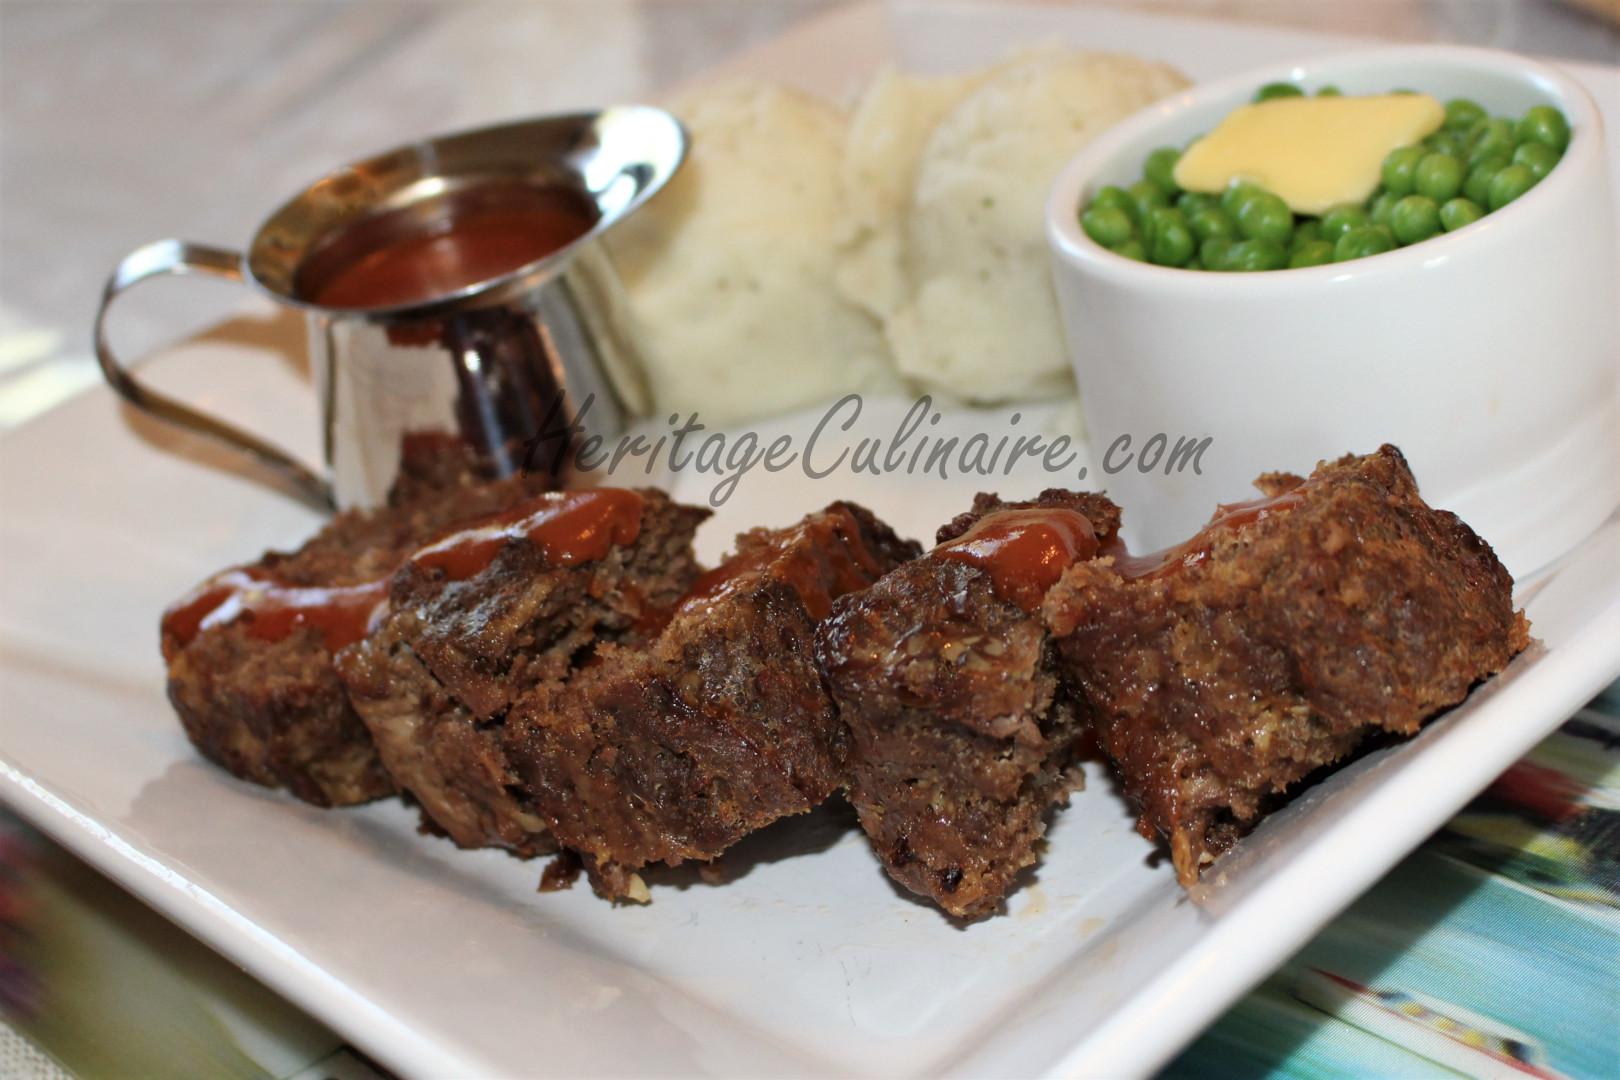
(440, 962)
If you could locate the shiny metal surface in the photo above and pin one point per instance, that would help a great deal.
(176, 257)
(509, 365)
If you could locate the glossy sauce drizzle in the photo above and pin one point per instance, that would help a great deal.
(1191, 552)
(342, 613)
(569, 528)
(1024, 551)
(821, 559)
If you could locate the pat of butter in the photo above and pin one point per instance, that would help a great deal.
(1312, 152)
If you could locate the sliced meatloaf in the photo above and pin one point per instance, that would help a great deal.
(249, 651)
(1225, 670)
(963, 734)
(482, 616)
(676, 749)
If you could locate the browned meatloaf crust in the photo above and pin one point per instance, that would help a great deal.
(964, 736)
(460, 643)
(1268, 646)
(249, 652)
(722, 725)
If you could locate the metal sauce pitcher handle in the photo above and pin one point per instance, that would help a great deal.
(157, 259)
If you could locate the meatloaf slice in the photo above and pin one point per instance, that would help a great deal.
(964, 736)
(678, 749)
(249, 652)
(484, 615)
(1228, 668)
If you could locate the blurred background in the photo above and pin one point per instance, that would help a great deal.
(128, 121)
(124, 122)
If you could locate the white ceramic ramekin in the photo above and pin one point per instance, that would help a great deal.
(1489, 355)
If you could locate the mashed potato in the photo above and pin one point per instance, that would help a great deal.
(801, 254)
(971, 310)
(887, 132)
(729, 271)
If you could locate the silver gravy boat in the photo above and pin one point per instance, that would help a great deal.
(543, 352)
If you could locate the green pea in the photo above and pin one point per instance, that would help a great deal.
(1108, 225)
(1439, 176)
(1538, 157)
(1274, 90)
(1190, 202)
(1493, 138)
(1257, 254)
(1151, 222)
(1310, 253)
(1459, 212)
(1116, 197)
(1173, 245)
(1330, 91)
(1508, 184)
(1306, 231)
(1415, 218)
(1148, 197)
(1266, 217)
(1192, 264)
(1169, 241)
(1340, 220)
(1446, 142)
(1358, 243)
(1400, 168)
(1212, 223)
(1478, 185)
(1378, 210)
(1237, 194)
(1131, 249)
(1546, 125)
(1161, 168)
(1216, 253)
(1463, 114)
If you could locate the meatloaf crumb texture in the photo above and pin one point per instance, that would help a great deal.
(676, 750)
(964, 737)
(625, 709)
(1274, 642)
(270, 708)
(436, 678)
